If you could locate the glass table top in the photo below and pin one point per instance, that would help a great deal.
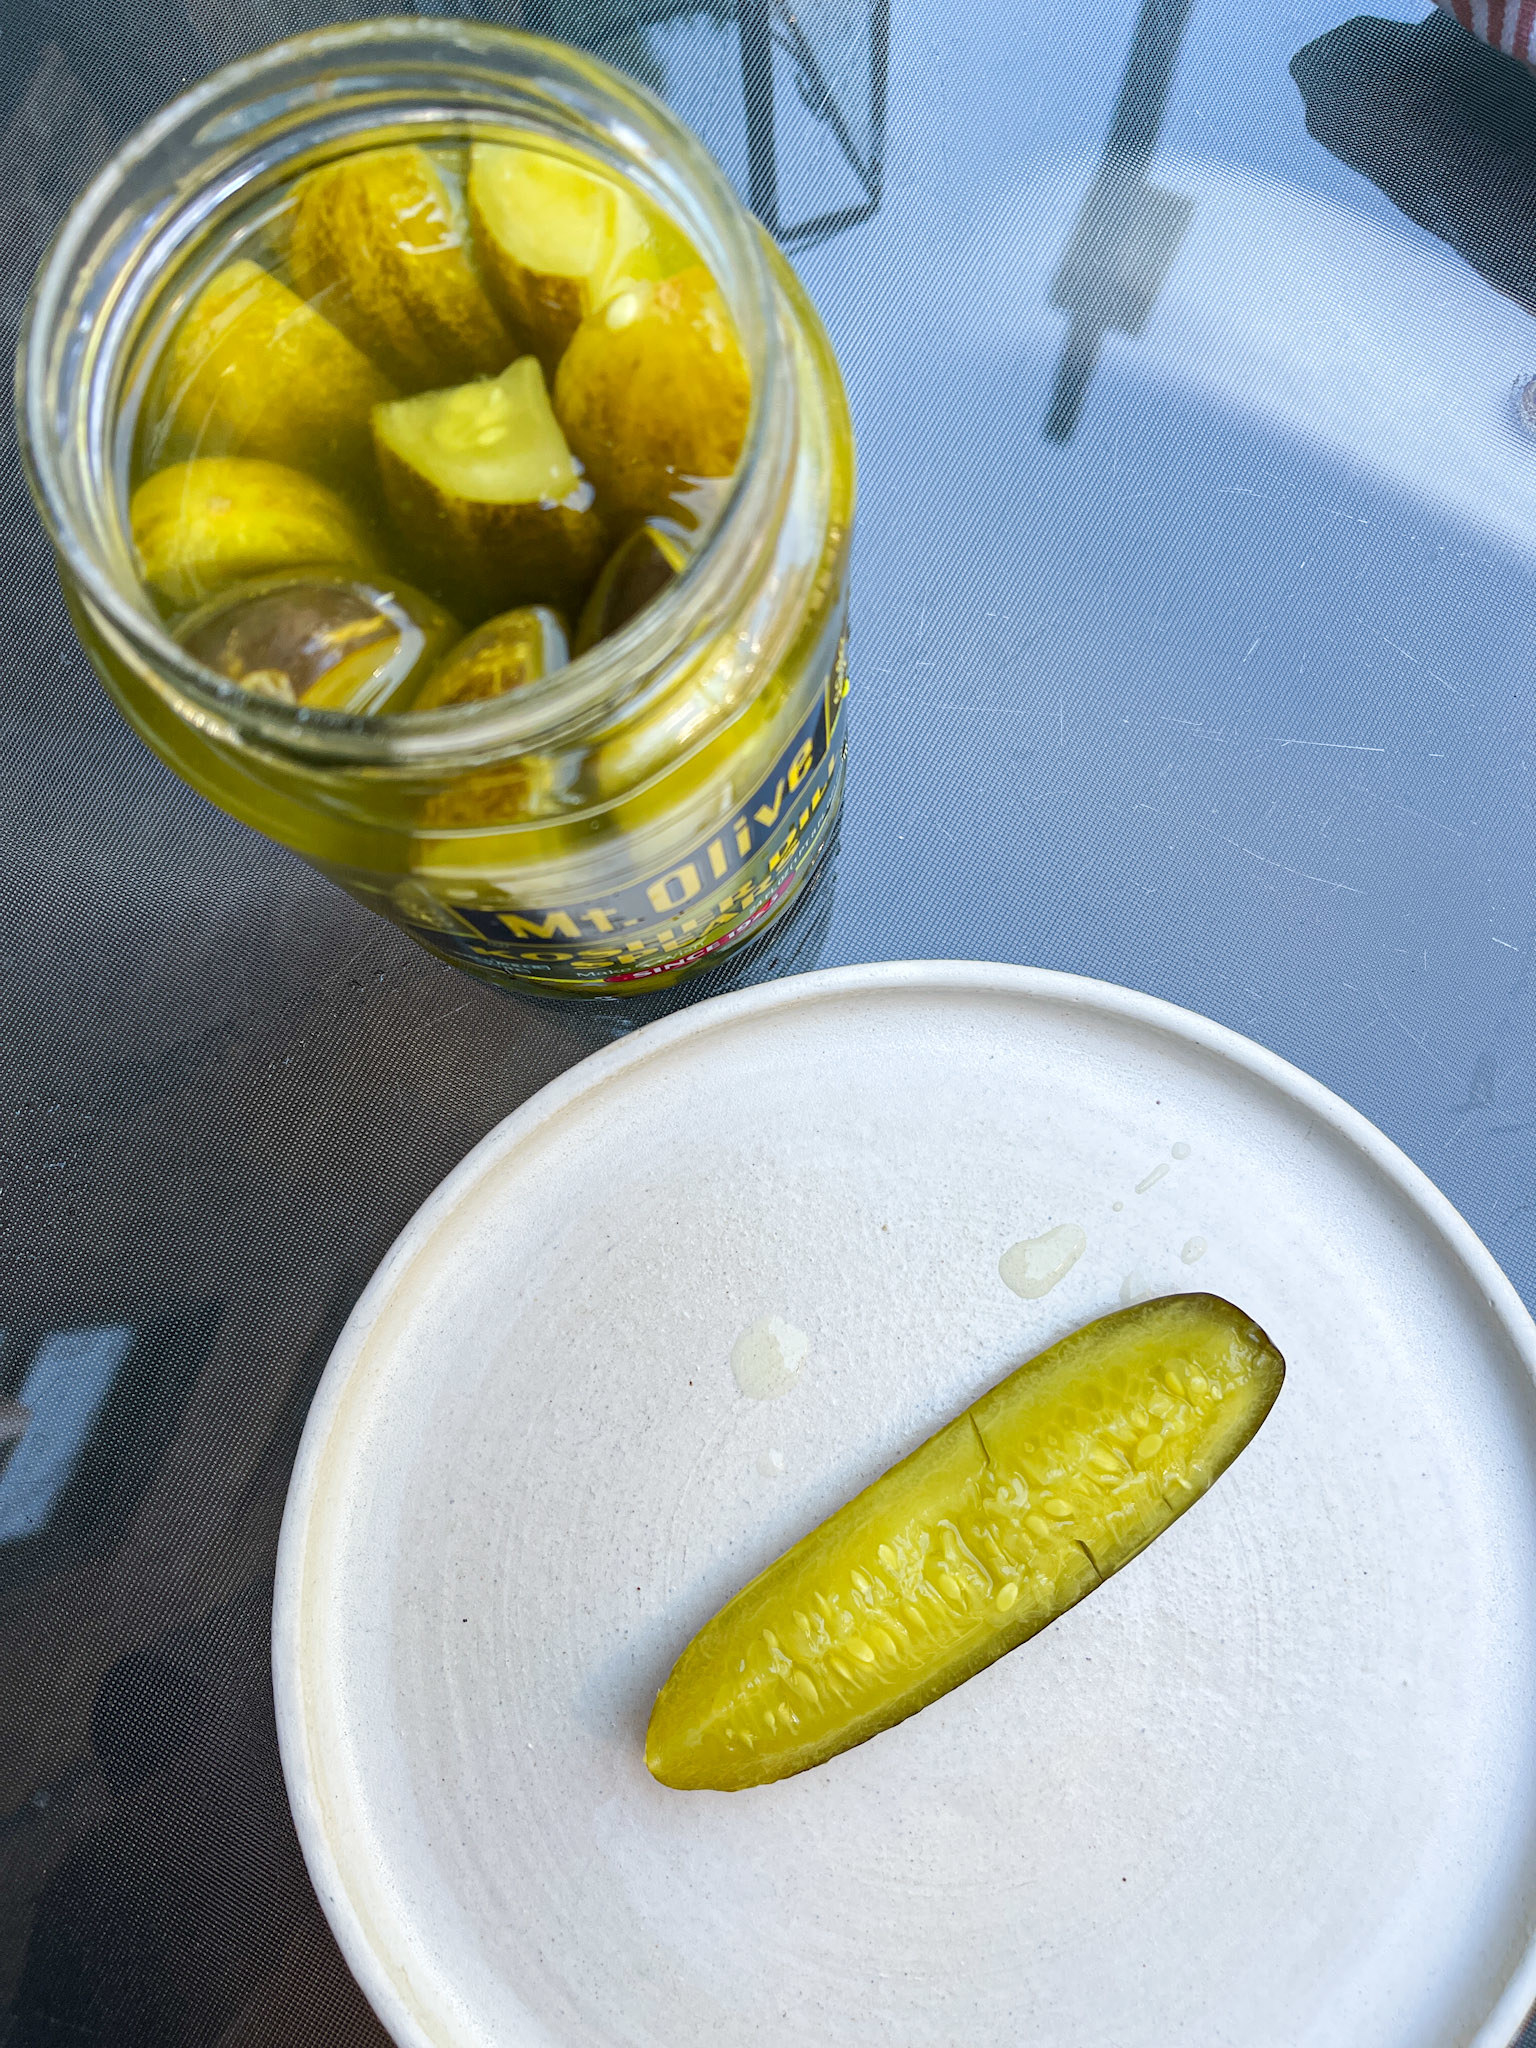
(1191, 352)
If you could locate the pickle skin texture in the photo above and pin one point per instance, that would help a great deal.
(986, 1534)
(470, 477)
(502, 655)
(654, 391)
(202, 525)
(253, 370)
(556, 240)
(378, 246)
(519, 791)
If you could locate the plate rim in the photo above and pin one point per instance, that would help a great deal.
(1503, 2024)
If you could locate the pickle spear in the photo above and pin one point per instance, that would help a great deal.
(252, 370)
(977, 1541)
(654, 391)
(502, 655)
(380, 245)
(200, 526)
(638, 570)
(556, 240)
(485, 497)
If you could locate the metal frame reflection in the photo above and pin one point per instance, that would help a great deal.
(767, 25)
(616, 30)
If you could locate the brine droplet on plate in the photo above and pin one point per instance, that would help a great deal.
(1034, 1266)
(769, 1358)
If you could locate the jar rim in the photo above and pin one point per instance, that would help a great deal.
(59, 377)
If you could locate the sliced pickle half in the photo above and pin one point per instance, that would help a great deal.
(654, 392)
(253, 370)
(988, 1532)
(380, 245)
(199, 526)
(485, 496)
(505, 653)
(639, 569)
(557, 240)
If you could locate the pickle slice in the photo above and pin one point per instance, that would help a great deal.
(200, 526)
(982, 1537)
(519, 791)
(654, 391)
(322, 638)
(501, 655)
(556, 240)
(378, 241)
(638, 570)
(252, 370)
(485, 496)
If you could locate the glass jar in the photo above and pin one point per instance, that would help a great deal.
(644, 809)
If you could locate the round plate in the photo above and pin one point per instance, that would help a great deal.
(1274, 1785)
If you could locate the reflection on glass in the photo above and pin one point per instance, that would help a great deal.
(1129, 229)
(806, 140)
(839, 59)
(65, 1389)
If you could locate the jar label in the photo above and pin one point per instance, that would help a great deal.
(728, 885)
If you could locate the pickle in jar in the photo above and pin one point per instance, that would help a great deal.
(199, 526)
(637, 571)
(986, 1534)
(485, 498)
(327, 639)
(654, 392)
(380, 245)
(558, 239)
(507, 653)
(253, 370)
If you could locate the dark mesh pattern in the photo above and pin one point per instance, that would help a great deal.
(1162, 673)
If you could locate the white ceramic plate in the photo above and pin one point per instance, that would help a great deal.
(1273, 1786)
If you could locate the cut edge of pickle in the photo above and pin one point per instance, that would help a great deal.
(492, 441)
(991, 1530)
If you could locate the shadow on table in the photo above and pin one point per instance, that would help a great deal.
(151, 1874)
(185, 1916)
(1128, 229)
(1440, 123)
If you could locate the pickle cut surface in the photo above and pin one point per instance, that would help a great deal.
(326, 639)
(558, 239)
(988, 1532)
(486, 502)
(496, 442)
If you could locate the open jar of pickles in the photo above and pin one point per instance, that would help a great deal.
(451, 481)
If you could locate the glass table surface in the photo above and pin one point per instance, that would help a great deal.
(1188, 346)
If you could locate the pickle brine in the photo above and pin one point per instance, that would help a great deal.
(428, 435)
(376, 395)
